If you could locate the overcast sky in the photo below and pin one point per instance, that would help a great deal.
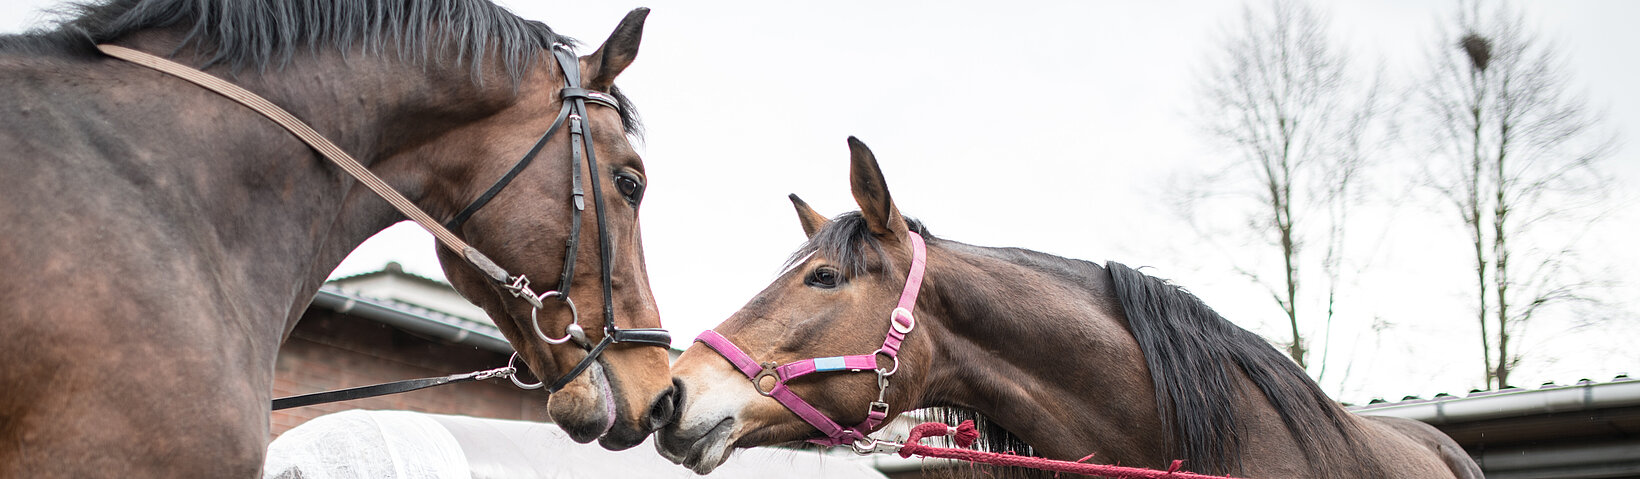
(1053, 126)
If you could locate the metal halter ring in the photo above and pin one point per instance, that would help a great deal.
(514, 375)
(896, 359)
(570, 331)
(768, 371)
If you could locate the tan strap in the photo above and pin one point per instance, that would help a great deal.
(318, 142)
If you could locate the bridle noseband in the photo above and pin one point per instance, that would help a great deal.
(573, 113)
(901, 322)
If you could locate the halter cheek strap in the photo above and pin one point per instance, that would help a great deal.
(901, 322)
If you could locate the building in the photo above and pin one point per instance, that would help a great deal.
(389, 325)
(1585, 430)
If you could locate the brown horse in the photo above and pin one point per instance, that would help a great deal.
(1064, 358)
(161, 240)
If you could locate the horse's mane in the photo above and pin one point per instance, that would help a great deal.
(1189, 347)
(269, 33)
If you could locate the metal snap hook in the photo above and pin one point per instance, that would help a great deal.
(569, 331)
(514, 375)
(866, 446)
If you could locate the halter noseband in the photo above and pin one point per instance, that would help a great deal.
(573, 113)
(901, 322)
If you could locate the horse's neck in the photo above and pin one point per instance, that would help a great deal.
(1045, 354)
(310, 214)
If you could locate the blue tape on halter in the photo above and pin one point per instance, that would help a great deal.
(829, 364)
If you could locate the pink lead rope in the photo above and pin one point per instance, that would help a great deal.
(901, 322)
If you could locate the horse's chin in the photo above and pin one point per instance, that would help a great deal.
(702, 449)
(620, 437)
(585, 408)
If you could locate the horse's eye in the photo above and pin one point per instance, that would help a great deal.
(823, 277)
(629, 187)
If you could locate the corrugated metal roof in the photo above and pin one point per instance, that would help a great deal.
(1621, 391)
(413, 317)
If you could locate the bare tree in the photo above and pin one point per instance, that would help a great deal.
(1518, 155)
(1277, 93)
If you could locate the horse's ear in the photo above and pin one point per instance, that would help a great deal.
(871, 192)
(602, 66)
(812, 220)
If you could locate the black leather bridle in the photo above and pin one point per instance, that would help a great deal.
(574, 111)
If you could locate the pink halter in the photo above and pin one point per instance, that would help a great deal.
(901, 322)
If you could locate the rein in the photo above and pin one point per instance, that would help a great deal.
(901, 322)
(573, 112)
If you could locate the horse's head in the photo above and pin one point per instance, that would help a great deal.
(527, 227)
(837, 299)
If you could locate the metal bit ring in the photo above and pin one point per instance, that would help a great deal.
(569, 331)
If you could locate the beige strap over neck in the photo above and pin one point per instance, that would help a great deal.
(319, 143)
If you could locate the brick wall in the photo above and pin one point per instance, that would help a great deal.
(330, 350)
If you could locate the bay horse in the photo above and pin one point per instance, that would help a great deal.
(1061, 357)
(161, 240)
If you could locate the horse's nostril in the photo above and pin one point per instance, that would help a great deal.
(665, 409)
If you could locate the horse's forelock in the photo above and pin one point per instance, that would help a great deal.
(848, 243)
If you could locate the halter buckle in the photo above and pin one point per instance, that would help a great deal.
(877, 407)
(909, 324)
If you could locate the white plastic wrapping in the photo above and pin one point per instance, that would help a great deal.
(367, 444)
(360, 444)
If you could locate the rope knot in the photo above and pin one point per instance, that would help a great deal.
(965, 434)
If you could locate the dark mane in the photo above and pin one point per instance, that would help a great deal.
(261, 34)
(1189, 347)
(849, 244)
(992, 438)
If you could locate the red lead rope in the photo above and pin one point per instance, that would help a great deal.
(965, 434)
